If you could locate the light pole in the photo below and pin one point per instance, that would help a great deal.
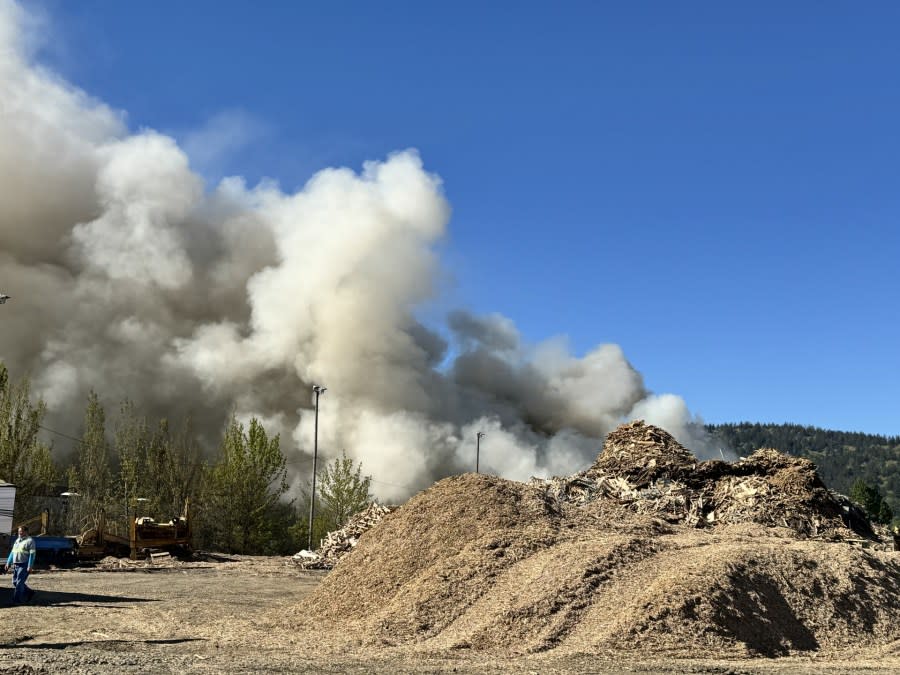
(312, 501)
(478, 438)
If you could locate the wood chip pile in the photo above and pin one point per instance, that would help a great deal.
(648, 551)
(339, 543)
(647, 470)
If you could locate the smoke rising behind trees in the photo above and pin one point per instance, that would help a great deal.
(134, 278)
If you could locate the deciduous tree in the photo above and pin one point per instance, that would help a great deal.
(91, 474)
(344, 492)
(24, 460)
(245, 487)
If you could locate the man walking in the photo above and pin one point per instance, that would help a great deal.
(21, 557)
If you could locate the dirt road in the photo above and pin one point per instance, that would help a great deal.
(211, 616)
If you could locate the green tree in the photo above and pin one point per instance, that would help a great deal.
(322, 525)
(24, 460)
(281, 537)
(161, 469)
(885, 514)
(344, 491)
(174, 463)
(244, 489)
(872, 501)
(131, 448)
(91, 474)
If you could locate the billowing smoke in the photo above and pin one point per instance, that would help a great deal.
(132, 277)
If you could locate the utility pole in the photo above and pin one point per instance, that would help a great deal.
(312, 501)
(478, 438)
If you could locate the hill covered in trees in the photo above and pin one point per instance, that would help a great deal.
(843, 458)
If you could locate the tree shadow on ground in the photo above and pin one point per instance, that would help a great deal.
(102, 644)
(754, 611)
(49, 598)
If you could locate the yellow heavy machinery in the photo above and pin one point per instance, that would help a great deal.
(143, 535)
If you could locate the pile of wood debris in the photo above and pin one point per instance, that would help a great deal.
(339, 543)
(645, 469)
(152, 560)
(647, 551)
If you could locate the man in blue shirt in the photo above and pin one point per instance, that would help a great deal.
(21, 558)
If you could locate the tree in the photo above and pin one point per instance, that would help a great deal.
(174, 462)
(24, 460)
(322, 524)
(91, 474)
(245, 488)
(885, 513)
(132, 440)
(160, 469)
(871, 500)
(344, 491)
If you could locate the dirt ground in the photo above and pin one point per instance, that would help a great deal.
(223, 616)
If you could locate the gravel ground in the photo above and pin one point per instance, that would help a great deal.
(218, 617)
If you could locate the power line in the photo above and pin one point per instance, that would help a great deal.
(384, 482)
(59, 433)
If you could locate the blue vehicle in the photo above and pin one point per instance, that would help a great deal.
(49, 549)
(55, 549)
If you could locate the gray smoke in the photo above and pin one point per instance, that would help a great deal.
(132, 277)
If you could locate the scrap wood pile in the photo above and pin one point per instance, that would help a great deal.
(339, 543)
(159, 559)
(647, 470)
(113, 563)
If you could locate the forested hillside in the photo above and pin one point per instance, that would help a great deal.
(842, 457)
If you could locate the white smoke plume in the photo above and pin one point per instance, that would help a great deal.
(132, 277)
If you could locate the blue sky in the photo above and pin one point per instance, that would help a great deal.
(711, 186)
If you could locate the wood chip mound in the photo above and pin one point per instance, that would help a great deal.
(648, 550)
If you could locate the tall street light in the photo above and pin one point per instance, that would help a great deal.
(478, 438)
(312, 502)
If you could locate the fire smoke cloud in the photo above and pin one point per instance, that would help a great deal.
(132, 277)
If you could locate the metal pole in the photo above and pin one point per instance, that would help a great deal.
(312, 501)
(478, 449)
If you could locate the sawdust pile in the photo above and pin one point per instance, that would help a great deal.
(647, 550)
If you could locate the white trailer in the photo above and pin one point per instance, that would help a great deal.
(7, 503)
